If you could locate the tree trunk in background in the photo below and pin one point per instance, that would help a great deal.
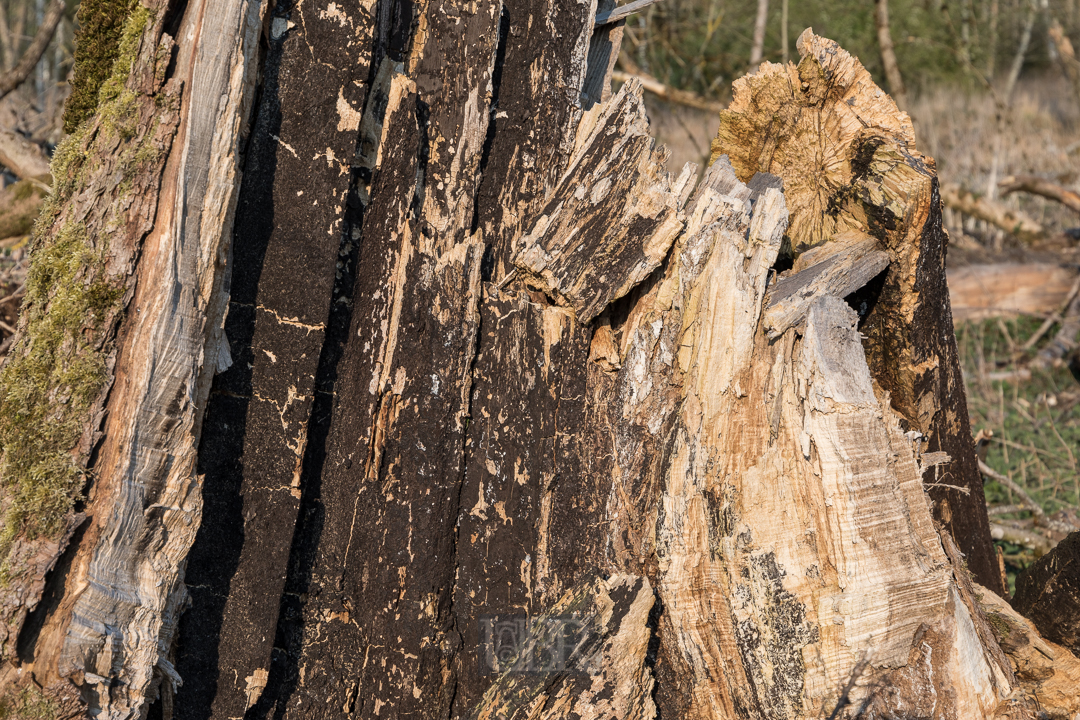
(758, 46)
(505, 421)
(888, 55)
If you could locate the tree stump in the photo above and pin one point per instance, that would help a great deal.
(420, 389)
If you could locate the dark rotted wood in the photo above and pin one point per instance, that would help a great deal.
(1048, 594)
(289, 233)
(527, 407)
(536, 88)
(587, 249)
(402, 395)
(604, 674)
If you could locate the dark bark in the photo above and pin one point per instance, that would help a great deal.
(1048, 594)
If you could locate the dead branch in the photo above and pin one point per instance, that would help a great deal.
(1055, 317)
(665, 92)
(1065, 339)
(1028, 537)
(15, 77)
(1008, 482)
(1069, 63)
(22, 157)
(1040, 186)
(1013, 222)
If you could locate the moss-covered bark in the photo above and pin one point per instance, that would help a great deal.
(97, 45)
(58, 368)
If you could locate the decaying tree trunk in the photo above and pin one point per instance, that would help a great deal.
(459, 405)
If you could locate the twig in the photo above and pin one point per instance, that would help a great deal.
(670, 94)
(1015, 487)
(17, 295)
(1065, 339)
(1011, 221)
(16, 76)
(1005, 509)
(966, 491)
(1054, 317)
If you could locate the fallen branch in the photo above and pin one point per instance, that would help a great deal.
(1065, 339)
(1025, 537)
(1013, 222)
(1040, 186)
(17, 75)
(1057, 317)
(22, 157)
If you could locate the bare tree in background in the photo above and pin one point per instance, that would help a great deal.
(888, 55)
(758, 47)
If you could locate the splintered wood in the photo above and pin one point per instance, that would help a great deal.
(848, 161)
(587, 252)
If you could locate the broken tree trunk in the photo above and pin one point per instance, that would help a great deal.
(504, 421)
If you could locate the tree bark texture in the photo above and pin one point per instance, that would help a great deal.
(454, 354)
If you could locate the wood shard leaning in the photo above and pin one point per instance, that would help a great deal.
(613, 216)
(848, 264)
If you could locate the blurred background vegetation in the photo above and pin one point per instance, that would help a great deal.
(702, 45)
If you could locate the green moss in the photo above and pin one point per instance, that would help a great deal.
(97, 46)
(136, 23)
(1001, 627)
(67, 164)
(57, 370)
(28, 704)
(48, 384)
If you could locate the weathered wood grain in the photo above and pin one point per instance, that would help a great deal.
(116, 603)
(848, 161)
(133, 576)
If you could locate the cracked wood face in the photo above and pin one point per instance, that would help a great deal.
(411, 447)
